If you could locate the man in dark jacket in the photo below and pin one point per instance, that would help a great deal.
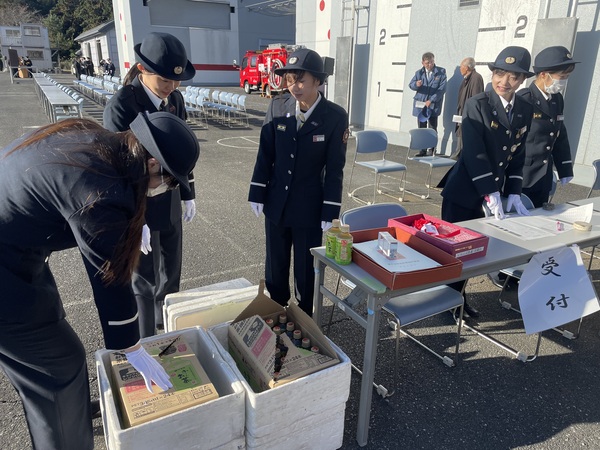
(429, 82)
(471, 85)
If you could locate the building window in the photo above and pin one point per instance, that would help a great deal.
(13, 33)
(35, 54)
(31, 31)
(462, 3)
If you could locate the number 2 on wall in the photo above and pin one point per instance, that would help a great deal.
(382, 37)
(522, 23)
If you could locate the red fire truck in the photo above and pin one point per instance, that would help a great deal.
(256, 70)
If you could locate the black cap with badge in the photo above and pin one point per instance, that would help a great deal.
(165, 55)
(513, 59)
(170, 140)
(552, 58)
(306, 60)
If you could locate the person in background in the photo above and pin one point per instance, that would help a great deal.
(429, 82)
(495, 126)
(298, 176)
(547, 141)
(151, 85)
(66, 185)
(471, 85)
(109, 68)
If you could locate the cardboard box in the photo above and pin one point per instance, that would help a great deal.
(218, 423)
(450, 266)
(466, 245)
(191, 385)
(305, 413)
(252, 344)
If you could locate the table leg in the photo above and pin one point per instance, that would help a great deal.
(370, 356)
(318, 295)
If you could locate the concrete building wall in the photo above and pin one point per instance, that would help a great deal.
(389, 38)
(214, 32)
(28, 39)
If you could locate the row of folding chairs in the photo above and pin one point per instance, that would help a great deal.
(224, 107)
(100, 89)
(56, 108)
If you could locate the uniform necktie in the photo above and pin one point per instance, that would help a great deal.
(507, 109)
(163, 106)
(300, 120)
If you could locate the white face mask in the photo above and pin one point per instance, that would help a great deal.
(556, 86)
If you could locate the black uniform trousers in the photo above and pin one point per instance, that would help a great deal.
(46, 363)
(279, 242)
(158, 274)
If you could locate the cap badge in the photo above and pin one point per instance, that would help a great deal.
(510, 60)
(569, 55)
(178, 70)
(293, 60)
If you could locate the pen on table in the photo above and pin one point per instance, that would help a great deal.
(162, 353)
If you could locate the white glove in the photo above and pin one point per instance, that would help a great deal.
(326, 225)
(565, 180)
(146, 247)
(495, 204)
(257, 208)
(149, 368)
(190, 210)
(514, 199)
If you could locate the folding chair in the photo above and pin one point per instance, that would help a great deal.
(410, 308)
(424, 138)
(595, 186)
(374, 141)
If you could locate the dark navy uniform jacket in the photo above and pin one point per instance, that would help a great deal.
(298, 174)
(433, 90)
(547, 142)
(45, 207)
(493, 150)
(163, 210)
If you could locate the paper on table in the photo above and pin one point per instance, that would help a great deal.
(406, 260)
(536, 227)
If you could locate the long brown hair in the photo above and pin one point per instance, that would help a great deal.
(131, 75)
(127, 155)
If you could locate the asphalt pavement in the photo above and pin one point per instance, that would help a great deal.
(489, 400)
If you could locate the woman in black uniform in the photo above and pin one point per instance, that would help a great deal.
(75, 184)
(151, 85)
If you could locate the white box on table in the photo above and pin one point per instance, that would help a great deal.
(304, 413)
(216, 424)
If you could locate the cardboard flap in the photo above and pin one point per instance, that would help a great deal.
(262, 305)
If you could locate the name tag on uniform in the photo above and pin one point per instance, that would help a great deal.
(561, 117)
(281, 127)
(456, 118)
(319, 138)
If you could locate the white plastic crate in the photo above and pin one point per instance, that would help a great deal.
(305, 413)
(218, 423)
(207, 306)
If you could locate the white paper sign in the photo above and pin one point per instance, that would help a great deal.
(555, 289)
